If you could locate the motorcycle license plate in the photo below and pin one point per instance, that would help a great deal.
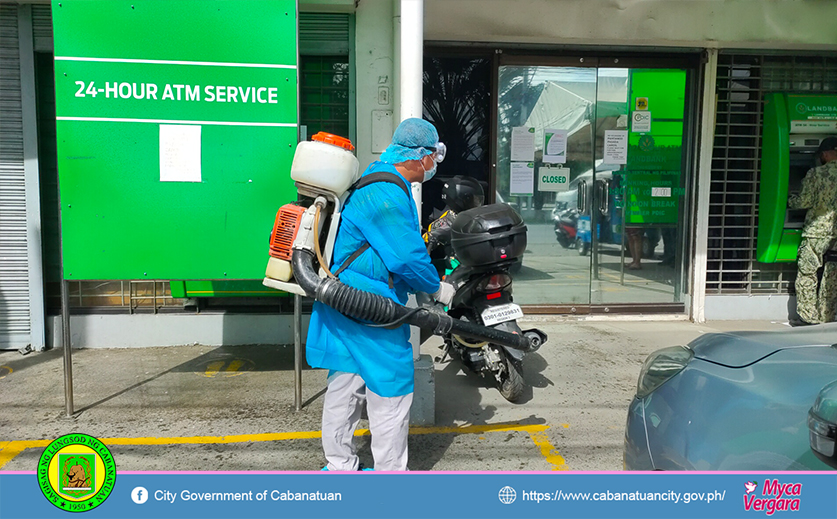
(501, 314)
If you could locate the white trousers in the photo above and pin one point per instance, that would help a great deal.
(389, 422)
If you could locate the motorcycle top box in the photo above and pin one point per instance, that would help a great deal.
(489, 234)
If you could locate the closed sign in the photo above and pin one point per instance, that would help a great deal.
(553, 179)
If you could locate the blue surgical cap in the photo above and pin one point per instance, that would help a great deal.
(411, 141)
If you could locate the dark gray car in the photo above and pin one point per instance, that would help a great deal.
(731, 401)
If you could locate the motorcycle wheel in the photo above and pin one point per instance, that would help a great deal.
(511, 382)
(563, 240)
(583, 248)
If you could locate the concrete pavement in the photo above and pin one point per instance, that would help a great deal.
(231, 408)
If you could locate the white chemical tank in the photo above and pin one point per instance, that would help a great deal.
(326, 162)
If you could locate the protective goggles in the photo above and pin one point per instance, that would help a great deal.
(439, 152)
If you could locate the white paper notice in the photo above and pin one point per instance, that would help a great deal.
(522, 178)
(523, 143)
(615, 147)
(555, 146)
(180, 153)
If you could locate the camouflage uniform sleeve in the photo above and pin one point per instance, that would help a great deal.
(805, 199)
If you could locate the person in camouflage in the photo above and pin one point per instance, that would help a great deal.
(816, 300)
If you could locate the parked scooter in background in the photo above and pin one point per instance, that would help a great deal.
(566, 225)
(483, 242)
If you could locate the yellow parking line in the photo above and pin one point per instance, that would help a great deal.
(236, 438)
(549, 452)
(10, 449)
(477, 429)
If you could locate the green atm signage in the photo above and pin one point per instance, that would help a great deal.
(811, 114)
(176, 126)
(805, 107)
(652, 180)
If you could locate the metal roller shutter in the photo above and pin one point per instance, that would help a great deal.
(42, 28)
(322, 34)
(14, 278)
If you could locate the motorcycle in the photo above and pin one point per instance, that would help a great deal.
(482, 244)
(566, 224)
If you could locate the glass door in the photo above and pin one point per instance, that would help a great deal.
(639, 189)
(591, 157)
(545, 132)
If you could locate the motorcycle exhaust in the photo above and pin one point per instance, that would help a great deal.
(535, 337)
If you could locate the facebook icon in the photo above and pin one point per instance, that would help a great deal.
(139, 495)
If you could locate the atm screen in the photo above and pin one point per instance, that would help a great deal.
(800, 163)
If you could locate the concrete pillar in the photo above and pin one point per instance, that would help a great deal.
(408, 28)
(703, 182)
(411, 58)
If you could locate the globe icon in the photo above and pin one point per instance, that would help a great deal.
(507, 495)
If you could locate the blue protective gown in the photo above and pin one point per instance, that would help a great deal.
(382, 215)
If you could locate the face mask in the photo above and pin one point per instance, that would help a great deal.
(428, 174)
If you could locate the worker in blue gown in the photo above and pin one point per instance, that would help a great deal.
(367, 364)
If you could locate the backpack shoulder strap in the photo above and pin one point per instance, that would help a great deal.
(353, 257)
(381, 176)
(372, 178)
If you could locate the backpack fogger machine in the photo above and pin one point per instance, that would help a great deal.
(302, 242)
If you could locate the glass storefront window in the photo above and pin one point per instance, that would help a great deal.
(592, 160)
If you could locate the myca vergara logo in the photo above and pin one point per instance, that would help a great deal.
(76, 473)
(775, 497)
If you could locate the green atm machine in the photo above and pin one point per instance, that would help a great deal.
(794, 126)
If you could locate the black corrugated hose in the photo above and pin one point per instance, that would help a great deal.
(382, 311)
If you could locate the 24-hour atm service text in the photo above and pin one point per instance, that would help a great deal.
(172, 92)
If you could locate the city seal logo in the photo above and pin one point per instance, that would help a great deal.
(76, 473)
